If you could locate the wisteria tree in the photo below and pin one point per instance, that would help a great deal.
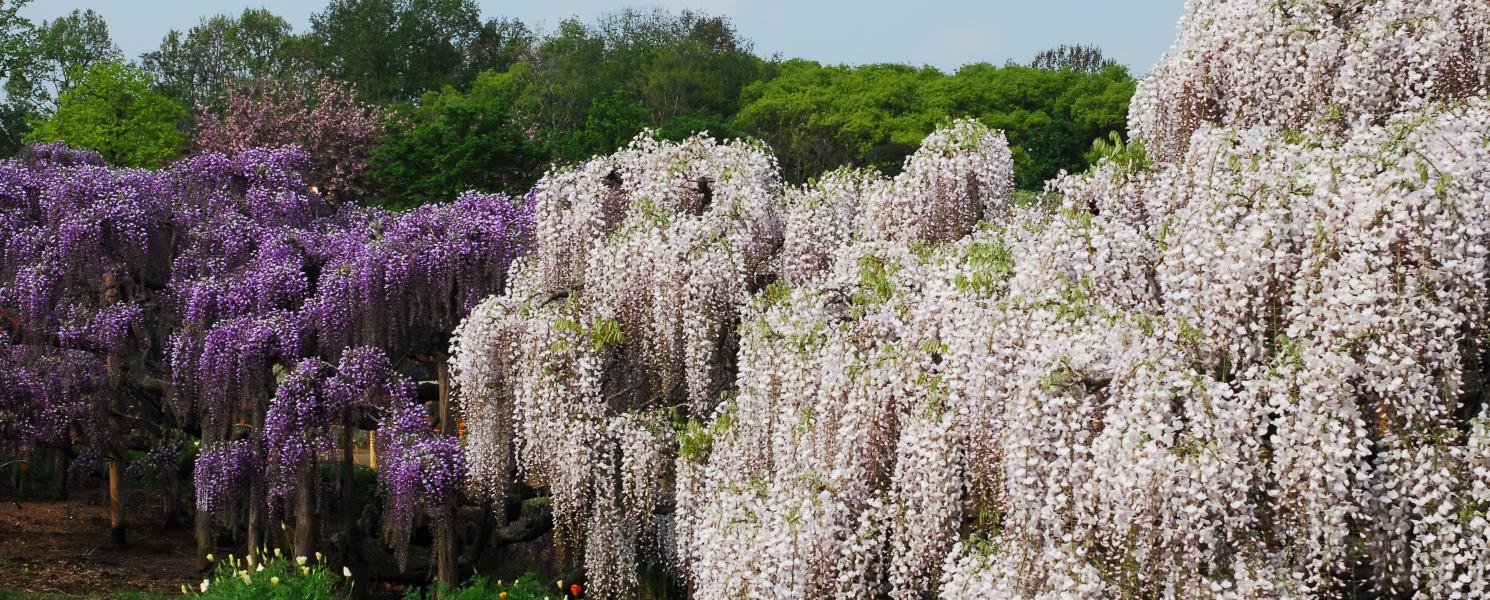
(80, 250)
(1243, 357)
(401, 283)
(624, 324)
(240, 277)
(223, 300)
(293, 334)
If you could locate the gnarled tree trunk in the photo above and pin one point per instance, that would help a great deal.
(305, 510)
(446, 567)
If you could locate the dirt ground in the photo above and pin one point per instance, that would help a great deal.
(49, 546)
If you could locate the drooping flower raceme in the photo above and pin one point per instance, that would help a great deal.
(1246, 364)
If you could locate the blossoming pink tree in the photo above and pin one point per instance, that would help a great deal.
(324, 117)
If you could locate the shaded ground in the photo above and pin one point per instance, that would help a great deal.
(51, 546)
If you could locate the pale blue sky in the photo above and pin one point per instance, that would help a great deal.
(944, 34)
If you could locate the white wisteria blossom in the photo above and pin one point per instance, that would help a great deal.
(1245, 356)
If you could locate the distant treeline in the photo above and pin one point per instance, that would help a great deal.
(465, 103)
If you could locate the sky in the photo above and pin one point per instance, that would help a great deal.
(944, 34)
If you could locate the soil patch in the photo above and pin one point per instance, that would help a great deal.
(51, 546)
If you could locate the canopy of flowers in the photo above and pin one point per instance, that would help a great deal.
(1244, 363)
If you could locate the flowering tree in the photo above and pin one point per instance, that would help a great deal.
(618, 320)
(291, 335)
(1246, 363)
(1317, 65)
(79, 250)
(626, 321)
(222, 299)
(323, 117)
(401, 283)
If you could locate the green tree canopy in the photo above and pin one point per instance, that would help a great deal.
(455, 142)
(646, 68)
(17, 34)
(198, 67)
(60, 49)
(398, 49)
(1080, 57)
(112, 109)
(1050, 117)
(818, 118)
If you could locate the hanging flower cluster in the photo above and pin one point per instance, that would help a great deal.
(1309, 64)
(961, 175)
(1249, 364)
(625, 322)
(621, 319)
(404, 281)
(225, 475)
(42, 391)
(419, 472)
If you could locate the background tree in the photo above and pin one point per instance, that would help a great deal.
(198, 67)
(679, 72)
(699, 68)
(500, 44)
(112, 110)
(16, 35)
(818, 118)
(44, 61)
(398, 49)
(61, 49)
(1050, 117)
(454, 142)
(1082, 58)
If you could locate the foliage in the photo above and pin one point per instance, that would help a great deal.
(16, 33)
(112, 110)
(818, 118)
(480, 587)
(1086, 59)
(455, 142)
(223, 52)
(11, 594)
(399, 49)
(587, 89)
(63, 48)
(38, 63)
(267, 577)
(1125, 158)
